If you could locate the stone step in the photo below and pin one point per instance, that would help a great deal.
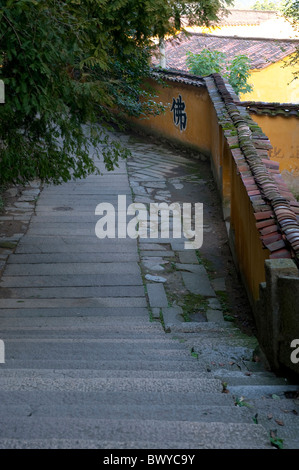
(81, 257)
(51, 269)
(216, 343)
(56, 382)
(72, 280)
(64, 230)
(34, 398)
(127, 322)
(119, 334)
(66, 217)
(199, 327)
(186, 412)
(95, 329)
(15, 292)
(237, 373)
(258, 391)
(96, 344)
(142, 364)
(281, 414)
(99, 444)
(205, 435)
(79, 203)
(222, 334)
(239, 379)
(292, 443)
(223, 349)
(101, 373)
(253, 366)
(113, 302)
(73, 350)
(53, 246)
(59, 312)
(71, 240)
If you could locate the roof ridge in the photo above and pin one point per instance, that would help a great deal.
(273, 104)
(238, 38)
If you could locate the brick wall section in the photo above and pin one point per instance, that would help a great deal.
(275, 209)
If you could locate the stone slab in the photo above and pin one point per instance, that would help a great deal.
(155, 253)
(188, 257)
(172, 316)
(218, 284)
(214, 316)
(198, 283)
(157, 296)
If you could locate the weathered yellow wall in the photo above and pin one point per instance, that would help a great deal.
(204, 132)
(249, 249)
(198, 131)
(273, 84)
(283, 133)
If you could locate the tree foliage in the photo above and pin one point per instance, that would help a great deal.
(291, 13)
(70, 63)
(266, 5)
(208, 62)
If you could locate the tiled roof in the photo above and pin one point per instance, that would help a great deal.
(272, 109)
(246, 17)
(262, 52)
(275, 209)
(235, 17)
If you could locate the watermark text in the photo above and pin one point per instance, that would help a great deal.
(2, 352)
(295, 354)
(186, 221)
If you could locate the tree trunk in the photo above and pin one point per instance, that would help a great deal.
(162, 53)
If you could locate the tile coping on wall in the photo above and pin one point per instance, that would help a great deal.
(275, 208)
(271, 109)
(178, 76)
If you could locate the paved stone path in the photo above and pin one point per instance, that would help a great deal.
(100, 355)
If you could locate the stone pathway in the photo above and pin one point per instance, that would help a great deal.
(193, 303)
(98, 354)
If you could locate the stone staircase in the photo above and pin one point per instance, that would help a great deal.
(91, 384)
(231, 357)
(92, 360)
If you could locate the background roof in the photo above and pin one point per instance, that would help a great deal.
(262, 52)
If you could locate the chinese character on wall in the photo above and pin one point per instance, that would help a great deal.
(179, 115)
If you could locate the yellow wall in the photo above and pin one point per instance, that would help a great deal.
(198, 106)
(283, 133)
(273, 84)
(249, 249)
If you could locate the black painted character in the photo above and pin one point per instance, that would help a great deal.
(179, 115)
